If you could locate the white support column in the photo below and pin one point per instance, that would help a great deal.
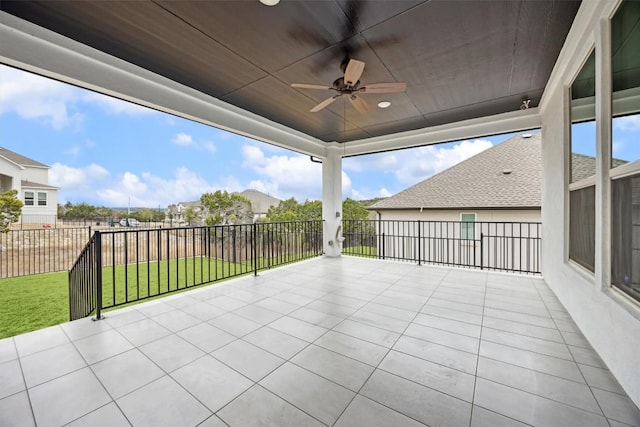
(332, 201)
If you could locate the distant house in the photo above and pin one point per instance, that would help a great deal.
(500, 184)
(31, 179)
(260, 202)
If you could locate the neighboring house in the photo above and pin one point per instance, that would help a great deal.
(260, 202)
(502, 183)
(175, 213)
(31, 179)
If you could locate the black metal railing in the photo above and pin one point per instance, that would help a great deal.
(502, 246)
(136, 264)
(43, 250)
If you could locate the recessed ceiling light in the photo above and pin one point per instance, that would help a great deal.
(270, 2)
(384, 104)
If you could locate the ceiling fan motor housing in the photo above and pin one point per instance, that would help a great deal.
(342, 87)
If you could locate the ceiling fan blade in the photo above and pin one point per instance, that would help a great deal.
(384, 88)
(359, 104)
(323, 104)
(306, 86)
(353, 72)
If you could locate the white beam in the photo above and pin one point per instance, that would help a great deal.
(332, 201)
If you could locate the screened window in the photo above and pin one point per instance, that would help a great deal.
(467, 226)
(29, 198)
(42, 199)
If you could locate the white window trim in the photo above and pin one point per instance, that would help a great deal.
(33, 197)
(475, 219)
(46, 199)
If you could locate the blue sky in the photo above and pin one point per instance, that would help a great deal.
(104, 151)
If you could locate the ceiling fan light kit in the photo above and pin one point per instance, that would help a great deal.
(350, 85)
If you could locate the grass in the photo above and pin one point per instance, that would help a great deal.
(364, 251)
(29, 303)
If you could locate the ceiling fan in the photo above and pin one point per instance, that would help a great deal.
(350, 85)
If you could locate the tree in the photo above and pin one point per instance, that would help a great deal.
(222, 208)
(190, 214)
(353, 210)
(10, 209)
(291, 210)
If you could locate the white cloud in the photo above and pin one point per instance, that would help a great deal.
(628, 123)
(285, 176)
(183, 139)
(76, 180)
(34, 97)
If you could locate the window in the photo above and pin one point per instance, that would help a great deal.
(28, 198)
(467, 226)
(582, 190)
(625, 149)
(42, 199)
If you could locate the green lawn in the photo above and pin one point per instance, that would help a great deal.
(34, 302)
(365, 251)
(29, 303)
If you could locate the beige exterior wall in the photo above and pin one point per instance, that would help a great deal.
(491, 215)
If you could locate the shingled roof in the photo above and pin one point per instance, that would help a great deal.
(508, 175)
(260, 202)
(19, 159)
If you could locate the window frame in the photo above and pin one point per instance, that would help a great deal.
(29, 200)
(465, 233)
(46, 202)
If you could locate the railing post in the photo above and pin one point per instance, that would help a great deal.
(254, 249)
(481, 250)
(419, 242)
(98, 255)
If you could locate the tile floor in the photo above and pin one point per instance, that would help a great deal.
(325, 342)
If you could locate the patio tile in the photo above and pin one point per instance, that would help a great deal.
(330, 308)
(213, 421)
(11, 380)
(366, 332)
(277, 305)
(366, 412)
(15, 411)
(163, 403)
(532, 409)
(106, 416)
(276, 342)
(354, 348)
(601, 378)
(292, 298)
(101, 346)
(64, 399)
(83, 328)
(313, 394)
(335, 298)
(42, 339)
(257, 314)
(586, 356)
(414, 304)
(249, 360)
(171, 352)
(180, 300)
(211, 382)
(203, 311)
(316, 317)
(206, 337)
(481, 417)
(535, 361)
(388, 311)
(298, 328)
(227, 303)
(462, 328)
(234, 324)
(153, 308)
(522, 342)
(126, 372)
(453, 305)
(415, 401)
(439, 336)
(450, 381)
(7, 350)
(340, 369)
(49, 364)
(544, 385)
(119, 318)
(618, 407)
(175, 320)
(258, 407)
(143, 331)
(380, 321)
(577, 340)
(446, 356)
(448, 313)
(529, 319)
(523, 329)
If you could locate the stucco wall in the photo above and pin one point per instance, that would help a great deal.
(493, 215)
